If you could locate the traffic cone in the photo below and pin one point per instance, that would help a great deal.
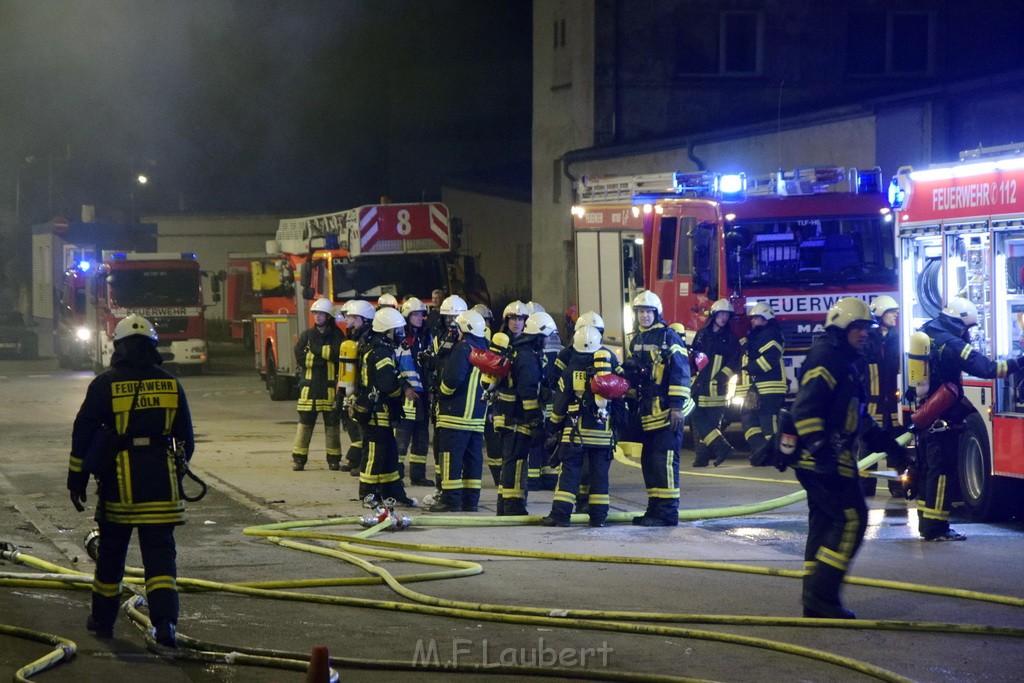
(319, 670)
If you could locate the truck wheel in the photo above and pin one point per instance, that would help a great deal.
(277, 386)
(986, 497)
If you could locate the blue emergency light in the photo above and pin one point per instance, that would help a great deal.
(84, 266)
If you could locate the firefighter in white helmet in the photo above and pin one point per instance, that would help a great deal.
(541, 476)
(828, 418)
(952, 354)
(445, 338)
(317, 354)
(357, 316)
(513, 318)
(765, 378)
(387, 300)
(659, 371)
(524, 419)
(378, 407)
(882, 362)
(142, 408)
(413, 432)
(581, 426)
(460, 421)
(719, 350)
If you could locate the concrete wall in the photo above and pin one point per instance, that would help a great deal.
(496, 232)
(212, 238)
(563, 119)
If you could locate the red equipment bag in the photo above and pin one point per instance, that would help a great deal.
(700, 360)
(609, 386)
(489, 362)
(931, 410)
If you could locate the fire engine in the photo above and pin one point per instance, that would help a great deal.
(361, 253)
(163, 287)
(798, 240)
(961, 233)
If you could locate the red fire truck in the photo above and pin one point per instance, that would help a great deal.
(799, 240)
(961, 233)
(164, 287)
(362, 253)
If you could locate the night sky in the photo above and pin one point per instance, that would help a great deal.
(254, 105)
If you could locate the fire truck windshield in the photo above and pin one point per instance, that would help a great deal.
(154, 287)
(787, 251)
(402, 274)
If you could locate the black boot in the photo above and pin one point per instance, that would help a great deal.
(163, 632)
(298, 463)
(821, 593)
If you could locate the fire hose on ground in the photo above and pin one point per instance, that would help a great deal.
(353, 548)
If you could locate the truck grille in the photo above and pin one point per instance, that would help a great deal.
(170, 325)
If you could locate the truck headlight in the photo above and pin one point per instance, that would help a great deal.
(83, 333)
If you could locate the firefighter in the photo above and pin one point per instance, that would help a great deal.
(951, 355)
(765, 378)
(379, 403)
(358, 316)
(541, 476)
(721, 349)
(658, 369)
(882, 360)
(524, 419)
(318, 352)
(139, 479)
(513, 320)
(460, 421)
(387, 301)
(441, 347)
(557, 369)
(828, 415)
(488, 317)
(413, 432)
(492, 443)
(583, 428)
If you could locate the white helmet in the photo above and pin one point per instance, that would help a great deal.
(961, 309)
(413, 305)
(134, 324)
(471, 322)
(322, 305)
(540, 323)
(880, 305)
(534, 307)
(847, 311)
(763, 309)
(590, 319)
(453, 305)
(484, 312)
(358, 307)
(387, 318)
(517, 307)
(586, 340)
(722, 306)
(387, 300)
(649, 299)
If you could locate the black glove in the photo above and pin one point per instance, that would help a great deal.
(533, 416)
(910, 396)
(78, 499)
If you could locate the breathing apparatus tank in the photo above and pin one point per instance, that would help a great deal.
(918, 350)
(931, 410)
(347, 373)
(493, 363)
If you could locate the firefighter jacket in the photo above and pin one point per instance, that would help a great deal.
(460, 404)
(762, 359)
(412, 372)
(504, 394)
(881, 371)
(379, 384)
(951, 356)
(828, 409)
(317, 354)
(139, 484)
(521, 392)
(575, 410)
(661, 375)
(711, 385)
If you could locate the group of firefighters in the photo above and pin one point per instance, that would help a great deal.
(548, 407)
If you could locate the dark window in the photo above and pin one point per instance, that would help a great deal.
(154, 287)
(684, 263)
(718, 43)
(866, 43)
(910, 43)
(666, 247)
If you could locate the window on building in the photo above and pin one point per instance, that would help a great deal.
(889, 43)
(561, 63)
(719, 43)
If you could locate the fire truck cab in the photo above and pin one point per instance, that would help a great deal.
(961, 233)
(798, 240)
